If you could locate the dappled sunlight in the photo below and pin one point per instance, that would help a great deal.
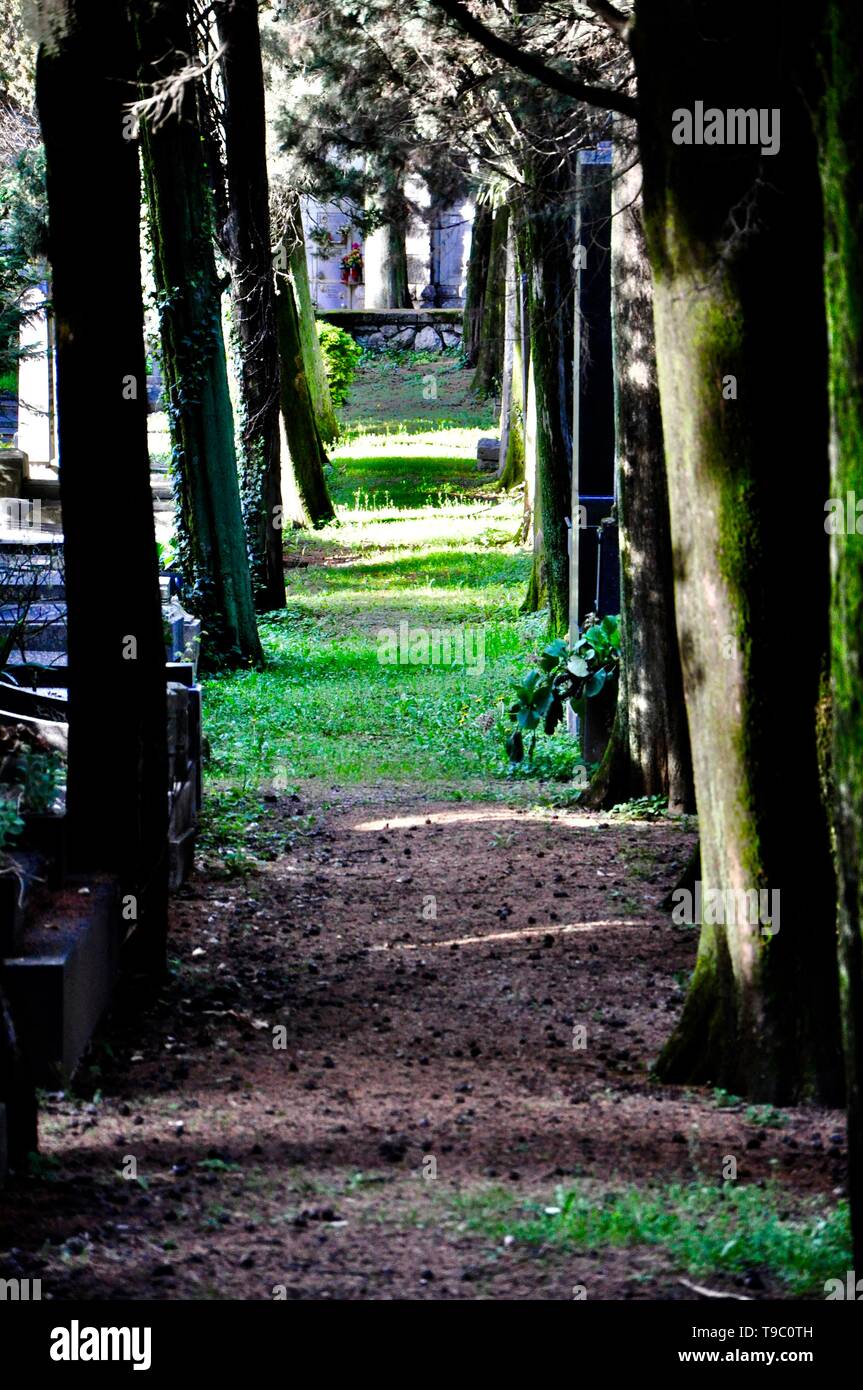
(446, 443)
(523, 933)
(462, 816)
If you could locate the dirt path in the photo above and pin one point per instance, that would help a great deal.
(428, 965)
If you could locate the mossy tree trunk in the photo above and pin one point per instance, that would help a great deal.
(841, 135)
(490, 346)
(477, 274)
(117, 795)
(729, 230)
(512, 396)
(306, 496)
(549, 240)
(648, 752)
(247, 237)
(313, 359)
(211, 534)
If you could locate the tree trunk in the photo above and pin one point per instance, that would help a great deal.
(648, 753)
(841, 132)
(512, 403)
(307, 498)
(489, 358)
(537, 585)
(247, 235)
(117, 794)
(211, 536)
(313, 358)
(477, 274)
(549, 242)
(728, 230)
(385, 268)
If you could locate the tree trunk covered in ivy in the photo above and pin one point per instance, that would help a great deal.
(648, 752)
(306, 496)
(489, 356)
(247, 236)
(477, 274)
(728, 230)
(512, 402)
(211, 535)
(549, 240)
(841, 134)
(117, 795)
(313, 358)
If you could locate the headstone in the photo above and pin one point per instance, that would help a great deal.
(488, 455)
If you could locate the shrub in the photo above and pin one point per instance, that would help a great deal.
(341, 358)
(566, 673)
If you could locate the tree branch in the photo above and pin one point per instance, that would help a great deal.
(604, 97)
(612, 16)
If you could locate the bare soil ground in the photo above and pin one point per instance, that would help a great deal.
(428, 964)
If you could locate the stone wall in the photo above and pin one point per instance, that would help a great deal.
(417, 330)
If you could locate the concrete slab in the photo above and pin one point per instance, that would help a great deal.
(60, 982)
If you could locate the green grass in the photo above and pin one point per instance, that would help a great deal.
(705, 1229)
(391, 394)
(325, 706)
(421, 537)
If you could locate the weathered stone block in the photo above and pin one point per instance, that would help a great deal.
(488, 453)
(427, 340)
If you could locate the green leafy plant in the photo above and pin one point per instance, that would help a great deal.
(323, 239)
(167, 553)
(766, 1115)
(341, 359)
(11, 823)
(641, 807)
(575, 673)
(42, 775)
